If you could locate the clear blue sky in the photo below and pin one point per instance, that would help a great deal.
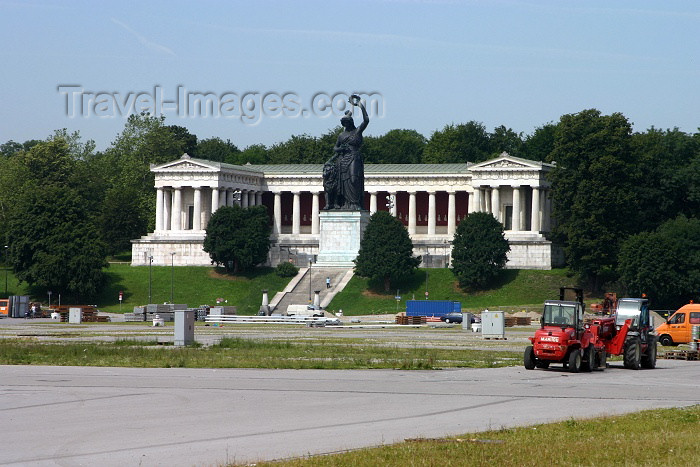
(520, 64)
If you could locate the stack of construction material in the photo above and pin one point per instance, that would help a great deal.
(510, 321)
(402, 319)
(89, 313)
(523, 320)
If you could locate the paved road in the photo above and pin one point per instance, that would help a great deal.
(183, 417)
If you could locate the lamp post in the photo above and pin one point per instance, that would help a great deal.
(310, 262)
(6, 247)
(172, 276)
(150, 278)
(49, 292)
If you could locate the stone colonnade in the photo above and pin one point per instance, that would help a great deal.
(190, 208)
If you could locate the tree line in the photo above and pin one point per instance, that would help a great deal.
(626, 203)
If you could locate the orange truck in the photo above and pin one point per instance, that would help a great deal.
(4, 307)
(678, 327)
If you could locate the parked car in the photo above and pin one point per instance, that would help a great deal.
(453, 317)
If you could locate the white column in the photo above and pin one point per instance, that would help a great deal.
(373, 202)
(159, 208)
(251, 198)
(451, 213)
(475, 199)
(547, 214)
(543, 204)
(222, 198)
(214, 200)
(412, 213)
(296, 213)
(177, 209)
(395, 207)
(431, 213)
(487, 200)
(197, 221)
(535, 217)
(315, 213)
(277, 209)
(258, 198)
(167, 209)
(496, 202)
(244, 198)
(515, 222)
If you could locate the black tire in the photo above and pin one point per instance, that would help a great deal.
(575, 361)
(649, 360)
(447, 321)
(542, 364)
(529, 358)
(589, 360)
(666, 340)
(602, 360)
(633, 353)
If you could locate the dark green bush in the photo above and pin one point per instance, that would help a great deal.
(286, 270)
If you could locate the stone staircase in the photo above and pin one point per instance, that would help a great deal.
(299, 294)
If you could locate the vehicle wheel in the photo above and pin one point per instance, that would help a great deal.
(447, 321)
(575, 361)
(665, 340)
(602, 360)
(529, 358)
(649, 360)
(589, 361)
(632, 353)
(542, 364)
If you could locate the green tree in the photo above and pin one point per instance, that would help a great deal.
(466, 142)
(395, 147)
(663, 159)
(218, 150)
(594, 191)
(299, 149)
(121, 219)
(145, 140)
(51, 229)
(386, 251)
(479, 250)
(664, 264)
(539, 145)
(255, 154)
(238, 238)
(505, 139)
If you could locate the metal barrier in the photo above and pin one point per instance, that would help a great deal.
(306, 320)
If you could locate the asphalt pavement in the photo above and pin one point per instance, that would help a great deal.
(199, 417)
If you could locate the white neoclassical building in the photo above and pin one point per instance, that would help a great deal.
(430, 199)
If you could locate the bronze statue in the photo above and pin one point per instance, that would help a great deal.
(344, 173)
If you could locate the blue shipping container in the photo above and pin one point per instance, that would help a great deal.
(432, 307)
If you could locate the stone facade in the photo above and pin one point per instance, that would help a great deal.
(430, 200)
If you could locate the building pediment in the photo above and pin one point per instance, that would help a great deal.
(186, 163)
(507, 162)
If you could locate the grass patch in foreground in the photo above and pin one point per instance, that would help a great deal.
(652, 437)
(515, 287)
(248, 353)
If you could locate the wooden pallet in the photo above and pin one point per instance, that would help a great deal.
(681, 355)
(405, 320)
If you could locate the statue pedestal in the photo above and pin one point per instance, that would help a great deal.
(341, 232)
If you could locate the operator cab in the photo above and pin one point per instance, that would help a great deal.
(562, 314)
(635, 309)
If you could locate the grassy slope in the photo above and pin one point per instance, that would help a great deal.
(193, 285)
(515, 288)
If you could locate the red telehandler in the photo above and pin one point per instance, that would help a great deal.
(564, 338)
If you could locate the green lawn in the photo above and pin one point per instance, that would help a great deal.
(317, 353)
(515, 288)
(653, 437)
(193, 285)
